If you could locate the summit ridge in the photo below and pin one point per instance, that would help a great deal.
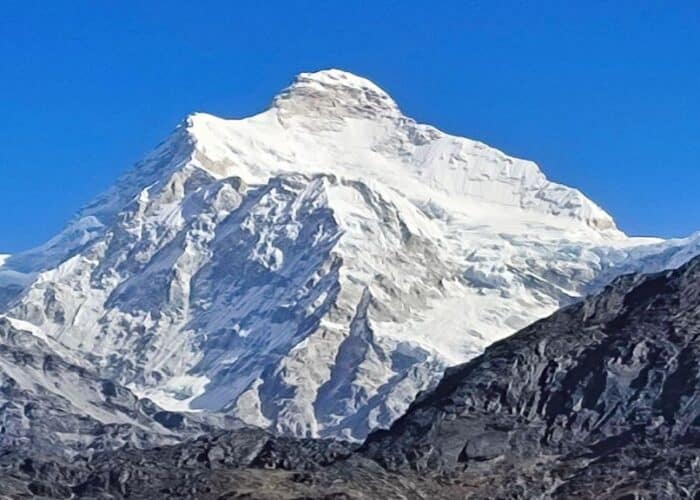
(336, 91)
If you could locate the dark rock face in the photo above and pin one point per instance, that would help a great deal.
(600, 400)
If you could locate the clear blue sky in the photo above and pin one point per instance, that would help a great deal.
(605, 96)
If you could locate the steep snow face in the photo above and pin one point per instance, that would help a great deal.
(312, 267)
(334, 122)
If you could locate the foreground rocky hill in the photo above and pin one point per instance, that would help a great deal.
(600, 400)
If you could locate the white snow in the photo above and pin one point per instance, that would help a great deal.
(176, 394)
(25, 326)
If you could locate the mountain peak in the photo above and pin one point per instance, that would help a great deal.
(337, 93)
(327, 232)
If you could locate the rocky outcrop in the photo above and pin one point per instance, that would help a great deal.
(602, 399)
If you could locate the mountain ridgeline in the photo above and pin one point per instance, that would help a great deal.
(322, 300)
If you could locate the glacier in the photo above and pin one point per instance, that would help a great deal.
(311, 268)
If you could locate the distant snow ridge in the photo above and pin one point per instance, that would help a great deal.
(311, 268)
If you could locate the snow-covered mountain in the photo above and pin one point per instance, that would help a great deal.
(311, 268)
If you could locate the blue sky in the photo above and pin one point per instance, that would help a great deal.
(603, 95)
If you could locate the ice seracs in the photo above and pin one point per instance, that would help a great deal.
(310, 268)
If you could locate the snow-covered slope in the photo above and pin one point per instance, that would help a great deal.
(312, 267)
(56, 405)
